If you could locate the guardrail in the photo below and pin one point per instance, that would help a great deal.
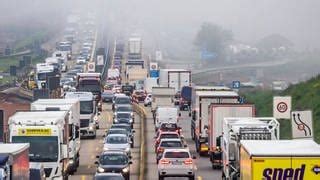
(142, 113)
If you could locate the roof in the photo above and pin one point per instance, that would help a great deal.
(198, 88)
(16, 95)
(56, 101)
(82, 96)
(38, 117)
(13, 148)
(171, 139)
(281, 147)
(117, 135)
(217, 93)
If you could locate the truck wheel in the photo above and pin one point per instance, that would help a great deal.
(223, 177)
(160, 177)
(192, 177)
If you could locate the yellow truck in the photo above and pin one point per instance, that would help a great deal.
(279, 160)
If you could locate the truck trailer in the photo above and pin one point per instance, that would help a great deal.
(279, 159)
(14, 161)
(161, 97)
(237, 129)
(176, 78)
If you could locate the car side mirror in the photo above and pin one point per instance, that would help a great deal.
(185, 145)
(194, 157)
(97, 156)
(96, 162)
(130, 162)
(99, 113)
(130, 158)
(133, 131)
(179, 114)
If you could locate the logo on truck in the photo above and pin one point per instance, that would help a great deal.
(284, 173)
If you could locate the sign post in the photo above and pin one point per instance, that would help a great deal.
(301, 124)
(282, 107)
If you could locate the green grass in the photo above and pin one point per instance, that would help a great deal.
(305, 96)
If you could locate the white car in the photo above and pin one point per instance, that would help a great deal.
(114, 142)
(148, 100)
(81, 60)
(176, 163)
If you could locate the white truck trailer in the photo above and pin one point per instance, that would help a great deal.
(14, 161)
(48, 135)
(176, 78)
(161, 97)
(237, 129)
(43, 71)
(73, 107)
(202, 97)
(88, 113)
(135, 48)
(149, 83)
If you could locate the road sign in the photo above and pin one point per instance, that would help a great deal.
(100, 60)
(206, 55)
(154, 73)
(282, 107)
(91, 67)
(236, 84)
(153, 66)
(301, 124)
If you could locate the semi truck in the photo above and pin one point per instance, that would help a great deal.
(43, 71)
(73, 107)
(279, 159)
(135, 48)
(62, 56)
(217, 112)
(161, 96)
(47, 132)
(88, 115)
(91, 82)
(237, 129)
(202, 97)
(14, 161)
(135, 74)
(176, 78)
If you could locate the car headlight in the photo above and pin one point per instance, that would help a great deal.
(95, 118)
(127, 149)
(130, 120)
(125, 170)
(115, 120)
(91, 128)
(131, 114)
(100, 170)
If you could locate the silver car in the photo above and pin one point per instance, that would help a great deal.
(114, 142)
(176, 163)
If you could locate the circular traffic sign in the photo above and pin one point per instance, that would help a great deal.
(153, 66)
(90, 66)
(282, 107)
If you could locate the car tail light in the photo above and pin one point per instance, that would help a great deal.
(164, 161)
(160, 150)
(188, 161)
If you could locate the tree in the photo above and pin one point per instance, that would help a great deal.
(213, 38)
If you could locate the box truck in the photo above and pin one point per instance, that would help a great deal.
(176, 78)
(279, 159)
(14, 161)
(135, 48)
(237, 129)
(149, 83)
(161, 96)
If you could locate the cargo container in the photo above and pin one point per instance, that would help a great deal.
(176, 78)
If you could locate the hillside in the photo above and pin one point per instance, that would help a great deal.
(305, 95)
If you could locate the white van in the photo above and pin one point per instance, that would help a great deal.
(166, 115)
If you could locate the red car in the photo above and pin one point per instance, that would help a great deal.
(164, 134)
(139, 95)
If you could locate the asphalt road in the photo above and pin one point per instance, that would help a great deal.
(90, 148)
(204, 170)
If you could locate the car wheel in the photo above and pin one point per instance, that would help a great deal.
(192, 177)
(145, 105)
(160, 177)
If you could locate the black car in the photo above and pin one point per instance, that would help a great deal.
(107, 96)
(114, 161)
(121, 100)
(127, 127)
(123, 118)
(108, 176)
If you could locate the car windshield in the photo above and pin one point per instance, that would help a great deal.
(176, 155)
(123, 115)
(168, 127)
(128, 128)
(123, 100)
(42, 148)
(117, 131)
(84, 123)
(86, 107)
(114, 159)
(124, 108)
(171, 144)
(116, 140)
(162, 136)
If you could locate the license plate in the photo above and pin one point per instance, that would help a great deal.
(176, 163)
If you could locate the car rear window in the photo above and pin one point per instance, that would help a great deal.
(171, 144)
(176, 155)
(169, 136)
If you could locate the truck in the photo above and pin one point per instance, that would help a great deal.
(91, 82)
(202, 97)
(63, 57)
(149, 83)
(47, 132)
(43, 71)
(113, 76)
(237, 129)
(73, 107)
(217, 113)
(135, 48)
(65, 46)
(161, 96)
(88, 115)
(185, 98)
(176, 78)
(14, 161)
(166, 115)
(279, 159)
(55, 62)
(135, 74)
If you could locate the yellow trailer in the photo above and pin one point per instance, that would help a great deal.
(279, 160)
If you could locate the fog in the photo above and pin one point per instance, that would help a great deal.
(165, 20)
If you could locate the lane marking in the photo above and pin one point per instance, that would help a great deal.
(199, 178)
(83, 177)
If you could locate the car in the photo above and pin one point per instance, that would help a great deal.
(107, 96)
(176, 163)
(108, 176)
(165, 135)
(139, 95)
(114, 161)
(72, 74)
(119, 131)
(123, 118)
(176, 99)
(116, 142)
(129, 130)
(78, 66)
(172, 143)
(173, 127)
(124, 108)
(148, 100)
(65, 80)
(81, 60)
(120, 100)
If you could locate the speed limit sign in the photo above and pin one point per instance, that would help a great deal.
(282, 107)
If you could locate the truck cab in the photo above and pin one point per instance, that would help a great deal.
(88, 113)
(43, 71)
